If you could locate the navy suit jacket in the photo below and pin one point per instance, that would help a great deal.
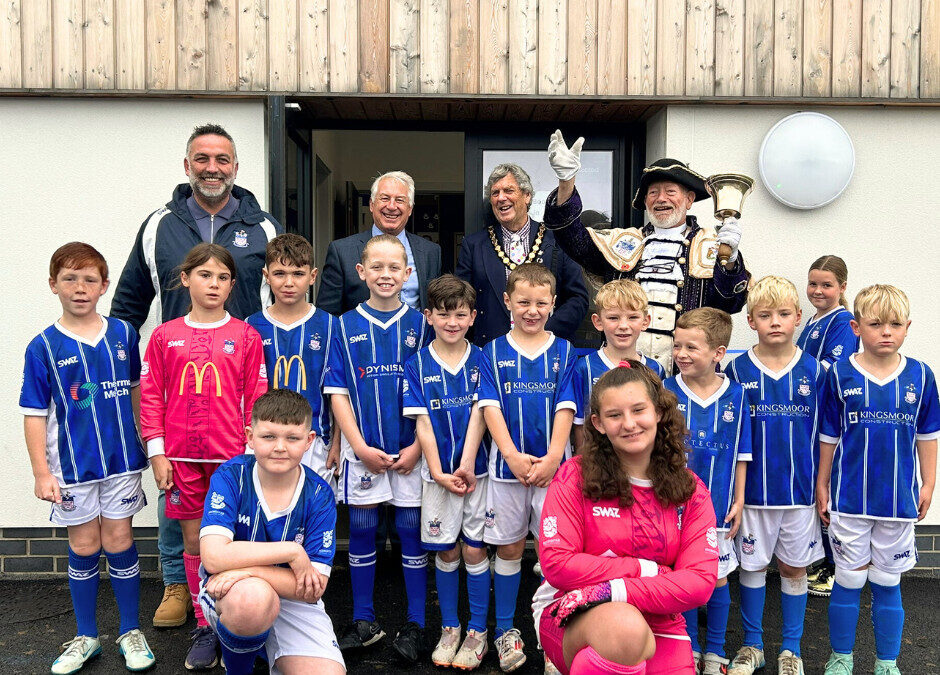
(479, 265)
(341, 289)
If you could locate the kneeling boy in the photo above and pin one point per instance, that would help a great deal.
(267, 543)
(441, 388)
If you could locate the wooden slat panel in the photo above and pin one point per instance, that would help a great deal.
(788, 41)
(464, 46)
(36, 32)
(11, 47)
(930, 49)
(282, 45)
(491, 111)
(905, 48)
(99, 44)
(161, 44)
(670, 46)
(641, 47)
(582, 47)
(349, 108)
(553, 46)
(344, 47)
(611, 47)
(434, 46)
(314, 45)
(378, 108)
(846, 47)
(191, 44)
(68, 49)
(403, 26)
(518, 112)
(433, 111)
(222, 57)
(700, 48)
(373, 45)
(729, 55)
(759, 48)
(253, 45)
(876, 47)
(494, 46)
(817, 48)
(406, 109)
(129, 35)
(523, 46)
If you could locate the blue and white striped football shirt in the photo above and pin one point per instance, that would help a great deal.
(830, 337)
(588, 370)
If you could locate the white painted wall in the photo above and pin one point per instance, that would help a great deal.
(883, 225)
(90, 170)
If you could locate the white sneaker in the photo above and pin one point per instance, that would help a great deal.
(472, 651)
(446, 649)
(136, 651)
(510, 645)
(78, 650)
(746, 661)
(789, 663)
(697, 661)
(712, 664)
(550, 668)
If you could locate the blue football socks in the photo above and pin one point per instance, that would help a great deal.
(362, 526)
(239, 651)
(793, 608)
(719, 607)
(124, 569)
(414, 561)
(506, 589)
(478, 590)
(447, 576)
(83, 585)
(887, 617)
(753, 593)
(691, 627)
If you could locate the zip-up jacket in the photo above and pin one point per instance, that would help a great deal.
(164, 239)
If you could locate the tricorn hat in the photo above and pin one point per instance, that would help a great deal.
(673, 170)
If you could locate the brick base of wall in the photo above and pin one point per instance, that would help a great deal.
(29, 552)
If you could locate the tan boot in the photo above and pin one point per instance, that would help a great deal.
(174, 608)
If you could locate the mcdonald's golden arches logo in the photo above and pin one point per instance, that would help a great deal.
(287, 363)
(200, 374)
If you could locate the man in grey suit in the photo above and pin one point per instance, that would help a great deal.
(393, 198)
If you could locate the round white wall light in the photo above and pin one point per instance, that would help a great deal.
(806, 160)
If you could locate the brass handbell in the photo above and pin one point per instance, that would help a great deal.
(728, 191)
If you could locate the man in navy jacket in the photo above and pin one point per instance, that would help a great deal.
(511, 238)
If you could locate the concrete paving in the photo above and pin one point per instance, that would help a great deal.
(36, 616)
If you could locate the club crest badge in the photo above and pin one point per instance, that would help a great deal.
(804, 389)
(837, 351)
(365, 481)
(411, 339)
(836, 545)
(217, 501)
(489, 518)
(747, 545)
(474, 375)
(815, 334)
(315, 343)
(120, 351)
(728, 414)
(228, 347)
(555, 365)
(241, 239)
(328, 539)
(549, 526)
(299, 537)
(434, 527)
(68, 501)
(910, 396)
(175, 498)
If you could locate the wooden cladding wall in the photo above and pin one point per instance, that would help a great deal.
(648, 48)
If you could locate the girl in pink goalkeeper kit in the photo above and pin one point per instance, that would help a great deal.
(628, 538)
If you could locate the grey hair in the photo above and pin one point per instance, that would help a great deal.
(503, 170)
(402, 178)
(211, 129)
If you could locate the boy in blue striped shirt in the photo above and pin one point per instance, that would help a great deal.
(881, 419)
(528, 404)
(782, 385)
(81, 396)
(719, 443)
(441, 383)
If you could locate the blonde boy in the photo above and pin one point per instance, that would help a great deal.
(622, 314)
(719, 443)
(528, 405)
(881, 419)
(782, 386)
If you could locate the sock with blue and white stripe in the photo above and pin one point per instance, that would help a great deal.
(124, 568)
(414, 561)
(507, 574)
(239, 651)
(753, 593)
(362, 526)
(447, 577)
(83, 586)
(478, 592)
(793, 608)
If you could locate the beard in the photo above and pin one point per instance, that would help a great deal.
(668, 220)
(212, 195)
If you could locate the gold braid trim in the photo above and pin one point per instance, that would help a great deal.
(507, 261)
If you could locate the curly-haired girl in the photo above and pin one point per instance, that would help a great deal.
(628, 537)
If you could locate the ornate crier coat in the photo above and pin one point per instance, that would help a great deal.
(695, 278)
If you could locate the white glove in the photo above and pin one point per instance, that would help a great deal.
(730, 234)
(565, 161)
